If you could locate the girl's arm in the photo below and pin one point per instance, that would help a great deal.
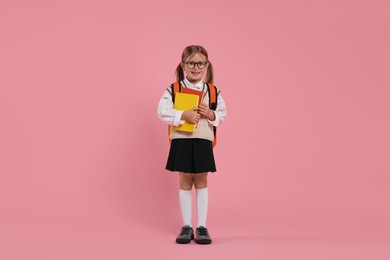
(220, 112)
(166, 112)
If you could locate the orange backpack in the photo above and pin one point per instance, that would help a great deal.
(212, 92)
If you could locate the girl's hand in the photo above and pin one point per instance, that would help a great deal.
(205, 111)
(191, 116)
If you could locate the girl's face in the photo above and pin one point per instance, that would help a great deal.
(195, 67)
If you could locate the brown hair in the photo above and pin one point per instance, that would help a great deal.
(189, 51)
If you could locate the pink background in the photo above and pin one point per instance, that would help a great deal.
(303, 159)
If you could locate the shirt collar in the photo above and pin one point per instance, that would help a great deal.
(197, 86)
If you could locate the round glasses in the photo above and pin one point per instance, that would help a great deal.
(192, 64)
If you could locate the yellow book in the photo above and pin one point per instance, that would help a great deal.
(184, 102)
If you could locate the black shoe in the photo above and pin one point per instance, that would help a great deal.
(202, 236)
(186, 235)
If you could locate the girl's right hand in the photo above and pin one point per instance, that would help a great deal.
(191, 116)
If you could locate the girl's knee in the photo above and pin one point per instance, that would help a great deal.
(200, 180)
(200, 185)
(186, 181)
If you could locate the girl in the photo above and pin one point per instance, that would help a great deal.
(191, 154)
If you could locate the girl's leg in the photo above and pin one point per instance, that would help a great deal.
(202, 197)
(200, 180)
(186, 180)
(185, 197)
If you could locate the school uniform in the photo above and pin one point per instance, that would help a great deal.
(191, 152)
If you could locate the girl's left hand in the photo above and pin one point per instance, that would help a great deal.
(205, 111)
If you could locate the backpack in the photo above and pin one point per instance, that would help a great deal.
(212, 92)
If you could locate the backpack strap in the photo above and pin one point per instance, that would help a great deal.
(213, 94)
(175, 88)
(212, 91)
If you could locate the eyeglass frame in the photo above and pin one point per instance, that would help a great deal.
(196, 64)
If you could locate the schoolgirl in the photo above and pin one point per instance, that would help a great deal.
(191, 154)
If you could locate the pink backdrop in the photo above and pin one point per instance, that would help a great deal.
(303, 159)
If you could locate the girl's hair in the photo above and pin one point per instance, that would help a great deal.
(189, 51)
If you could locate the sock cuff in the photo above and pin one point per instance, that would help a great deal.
(201, 190)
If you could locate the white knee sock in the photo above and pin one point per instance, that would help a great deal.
(202, 199)
(185, 197)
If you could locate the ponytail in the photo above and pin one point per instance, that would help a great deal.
(179, 74)
(210, 73)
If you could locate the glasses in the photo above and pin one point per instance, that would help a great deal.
(192, 64)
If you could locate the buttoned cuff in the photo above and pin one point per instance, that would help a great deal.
(215, 122)
(178, 120)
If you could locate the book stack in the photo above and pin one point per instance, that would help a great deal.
(185, 100)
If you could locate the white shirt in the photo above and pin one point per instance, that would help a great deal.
(168, 114)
